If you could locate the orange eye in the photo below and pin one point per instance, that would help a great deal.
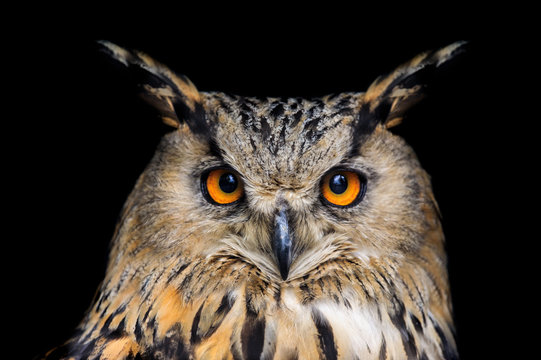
(222, 186)
(343, 187)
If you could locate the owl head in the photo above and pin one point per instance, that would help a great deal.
(276, 228)
(284, 185)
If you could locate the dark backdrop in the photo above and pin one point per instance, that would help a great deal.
(82, 138)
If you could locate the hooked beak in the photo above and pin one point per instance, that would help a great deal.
(281, 241)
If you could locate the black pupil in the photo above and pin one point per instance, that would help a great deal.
(338, 183)
(228, 183)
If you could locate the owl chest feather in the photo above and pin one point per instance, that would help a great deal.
(249, 317)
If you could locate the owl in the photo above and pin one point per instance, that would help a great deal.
(276, 228)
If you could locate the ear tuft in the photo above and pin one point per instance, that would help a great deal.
(173, 95)
(389, 97)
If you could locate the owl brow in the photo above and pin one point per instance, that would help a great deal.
(215, 150)
(348, 159)
(348, 162)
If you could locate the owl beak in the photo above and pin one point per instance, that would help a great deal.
(281, 242)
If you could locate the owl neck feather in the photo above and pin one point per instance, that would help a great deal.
(351, 308)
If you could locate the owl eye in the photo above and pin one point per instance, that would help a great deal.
(221, 186)
(343, 188)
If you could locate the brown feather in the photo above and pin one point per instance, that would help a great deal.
(189, 279)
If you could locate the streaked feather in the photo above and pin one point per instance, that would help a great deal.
(190, 280)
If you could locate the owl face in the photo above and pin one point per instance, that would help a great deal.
(288, 184)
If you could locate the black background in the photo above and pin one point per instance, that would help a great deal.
(79, 137)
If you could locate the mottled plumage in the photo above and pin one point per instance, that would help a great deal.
(281, 272)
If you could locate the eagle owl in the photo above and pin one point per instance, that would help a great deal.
(277, 228)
